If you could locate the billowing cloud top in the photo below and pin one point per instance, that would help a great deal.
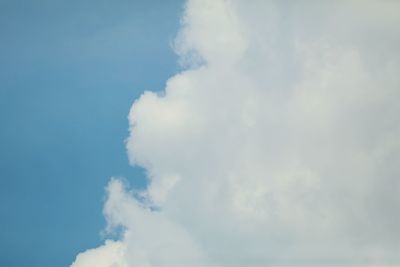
(279, 145)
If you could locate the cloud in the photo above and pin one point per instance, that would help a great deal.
(110, 254)
(279, 145)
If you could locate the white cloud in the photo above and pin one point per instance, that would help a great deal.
(112, 253)
(282, 148)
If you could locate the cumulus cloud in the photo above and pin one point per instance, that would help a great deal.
(278, 145)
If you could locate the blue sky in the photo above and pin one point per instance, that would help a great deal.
(69, 72)
(279, 136)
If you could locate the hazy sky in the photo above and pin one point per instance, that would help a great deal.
(69, 72)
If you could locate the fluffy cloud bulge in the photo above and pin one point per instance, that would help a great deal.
(279, 145)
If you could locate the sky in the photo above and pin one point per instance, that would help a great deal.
(270, 137)
(69, 72)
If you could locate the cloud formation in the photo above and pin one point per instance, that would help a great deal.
(279, 145)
